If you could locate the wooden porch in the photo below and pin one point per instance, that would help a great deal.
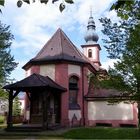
(34, 84)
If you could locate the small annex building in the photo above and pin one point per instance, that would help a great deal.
(73, 102)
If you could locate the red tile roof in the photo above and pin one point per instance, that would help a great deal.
(102, 93)
(59, 48)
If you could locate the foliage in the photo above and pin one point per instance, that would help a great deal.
(61, 5)
(3, 94)
(123, 7)
(124, 44)
(2, 119)
(3, 100)
(115, 81)
(16, 107)
(7, 64)
(119, 33)
(119, 5)
(102, 133)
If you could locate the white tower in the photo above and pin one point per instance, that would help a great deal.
(92, 48)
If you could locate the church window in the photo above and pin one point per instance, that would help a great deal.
(89, 53)
(73, 91)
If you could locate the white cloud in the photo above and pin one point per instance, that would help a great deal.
(109, 63)
(18, 73)
(32, 25)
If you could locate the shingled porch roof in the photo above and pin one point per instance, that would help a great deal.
(59, 48)
(35, 82)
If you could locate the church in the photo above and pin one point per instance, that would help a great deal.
(72, 101)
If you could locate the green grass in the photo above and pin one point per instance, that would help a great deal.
(103, 133)
(76, 133)
(30, 137)
(2, 119)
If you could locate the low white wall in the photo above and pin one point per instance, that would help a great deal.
(28, 73)
(3, 106)
(74, 69)
(48, 70)
(77, 114)
(100, 110)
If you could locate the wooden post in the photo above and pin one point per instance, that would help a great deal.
(43, 111)
(9, 120)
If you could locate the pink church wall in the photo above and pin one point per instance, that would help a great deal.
(77, 122)
(80, 88)
(33, 69)
(61, 77)
(85, 111)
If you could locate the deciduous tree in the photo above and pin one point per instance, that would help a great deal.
(16, 107)
(123, 43)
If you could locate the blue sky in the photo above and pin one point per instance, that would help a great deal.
(32, 26)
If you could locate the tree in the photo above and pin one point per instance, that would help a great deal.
(16, 107)
(62, 4)
(123, 43)
(117, 5)
(3, 94)
(123, 7)
(7, 64)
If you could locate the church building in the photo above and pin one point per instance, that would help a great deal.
(63, 63)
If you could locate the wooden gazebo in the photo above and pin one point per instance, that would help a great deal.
(31, 84)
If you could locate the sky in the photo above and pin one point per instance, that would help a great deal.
(33, 25)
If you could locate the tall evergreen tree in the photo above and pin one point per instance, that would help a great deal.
(7, 62)
(16, 107)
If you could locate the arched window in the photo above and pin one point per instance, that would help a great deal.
(73, 91)
(89, 53)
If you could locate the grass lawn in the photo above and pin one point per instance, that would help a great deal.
(76, 133)
(103, 133)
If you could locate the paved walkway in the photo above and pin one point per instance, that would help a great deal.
(47, 134)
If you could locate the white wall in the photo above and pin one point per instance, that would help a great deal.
(3, 106)
(100, 110)
(74, 69)
(22, 105)
(94, 52)
(28, 73)
(77, 113)
(48, 70)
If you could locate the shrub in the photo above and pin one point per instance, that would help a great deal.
(2, 119)
(17, 119)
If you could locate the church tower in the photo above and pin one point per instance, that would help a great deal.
(92, 48)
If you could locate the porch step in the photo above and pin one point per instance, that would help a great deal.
(25, 129)
(55, 127)
(32, 128)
